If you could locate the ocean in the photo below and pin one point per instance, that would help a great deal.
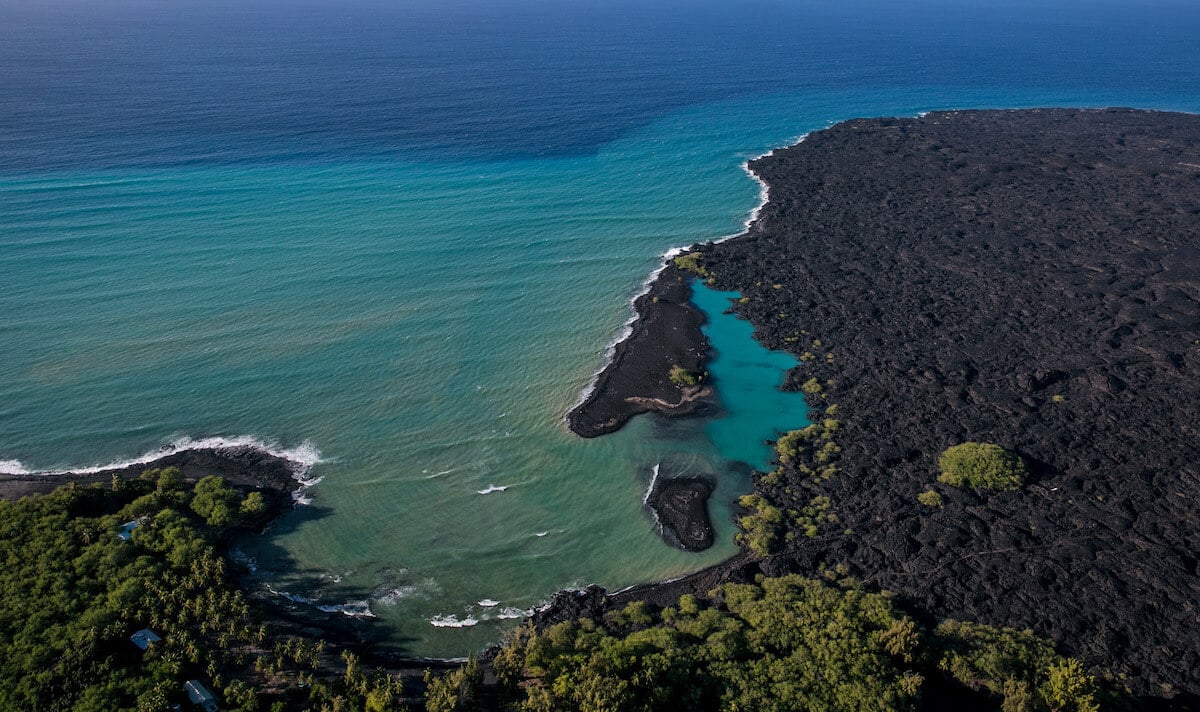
(394, 240)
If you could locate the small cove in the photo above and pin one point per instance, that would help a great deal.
(748, 377)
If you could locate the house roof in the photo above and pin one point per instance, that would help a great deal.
(144, 638)
(200, 695)
(125, 532)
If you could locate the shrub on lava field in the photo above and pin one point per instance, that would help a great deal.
(692, 263)
(982, 466)
(930, 498)
(680, 376)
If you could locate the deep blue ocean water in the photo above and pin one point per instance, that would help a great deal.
(397, 237)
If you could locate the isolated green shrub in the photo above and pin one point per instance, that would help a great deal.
(930, 498)
(680, 376)
(982, 466)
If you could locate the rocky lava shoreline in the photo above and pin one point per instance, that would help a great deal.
(665, 334)
(1029, 278)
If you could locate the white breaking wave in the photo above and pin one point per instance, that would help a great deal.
(646, 499)
(301, 459)
(354, 609)
(653, 483)
(453, 621)
(511, 613)
(493, 488)
(422, 590)
(241, 557)
(13, 467)
(626, 330)
(489, 603)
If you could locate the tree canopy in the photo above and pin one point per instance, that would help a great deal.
(982, 466)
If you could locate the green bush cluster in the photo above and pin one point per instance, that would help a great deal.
(680, 376)
(692, 262)
(810, 518)
(930, 498)
(982, 466)
(786, 643)
(760, 526)
(815, 445)
(1018, 666)
(812, 387)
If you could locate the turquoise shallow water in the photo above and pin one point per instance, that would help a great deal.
(423, 325)
(748, 377)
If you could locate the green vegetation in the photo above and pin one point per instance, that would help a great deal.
(787, 643)
(982, 466)
(692, 262)
(930, 498)
(814, 441)
(456, 691)
(216, 502)
(1018, 666)
(812, 387)
(813, 515)
(356, 690)
(290, 672)
(72, 592)
(680, 376)
(760, 526)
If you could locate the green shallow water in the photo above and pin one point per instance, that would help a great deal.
(423, 326)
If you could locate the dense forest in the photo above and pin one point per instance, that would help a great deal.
(79, 579)
(784, 643)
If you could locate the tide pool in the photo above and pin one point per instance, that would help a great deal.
(748, 377)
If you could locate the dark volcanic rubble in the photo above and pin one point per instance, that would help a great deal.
(1029, 278)
(636, 380)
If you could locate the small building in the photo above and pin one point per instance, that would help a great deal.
(125, 533)
(200, 695)
(144, 638)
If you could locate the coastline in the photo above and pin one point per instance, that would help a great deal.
(899, 556)
(913, 373)
(246, 465)
(609, 401)
(664, 334)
